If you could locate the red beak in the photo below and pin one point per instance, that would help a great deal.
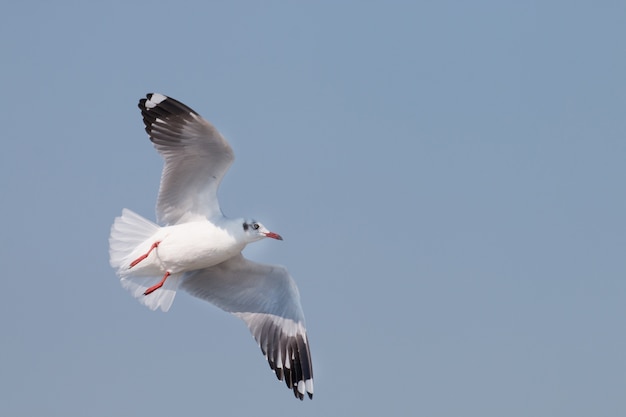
(274, 236)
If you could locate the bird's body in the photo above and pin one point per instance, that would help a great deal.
(199, 249)
(186, 247)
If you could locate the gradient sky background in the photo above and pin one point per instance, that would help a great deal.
(448, 177)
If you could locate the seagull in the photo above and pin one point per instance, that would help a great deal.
(196, 248)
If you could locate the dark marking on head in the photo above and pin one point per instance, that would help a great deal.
(245, 226)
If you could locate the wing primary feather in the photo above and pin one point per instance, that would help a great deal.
(297, 369)
(275, 350)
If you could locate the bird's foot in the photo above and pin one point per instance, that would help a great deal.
(159, 285)
(145, 255)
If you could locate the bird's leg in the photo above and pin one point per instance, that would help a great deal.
(159, 285)
(145, 255)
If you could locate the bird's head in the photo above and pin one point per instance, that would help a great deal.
(256, 231)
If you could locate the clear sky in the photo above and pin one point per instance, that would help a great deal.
(448, 177)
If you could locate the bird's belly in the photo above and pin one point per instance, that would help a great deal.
(191, 257)
(185, 247)
(189, 247)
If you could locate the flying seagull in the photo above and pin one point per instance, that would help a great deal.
(195, 247)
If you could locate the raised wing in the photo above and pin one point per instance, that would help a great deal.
(267, 299)
(196, 159)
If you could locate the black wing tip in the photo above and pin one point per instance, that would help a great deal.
(299, 376)
(170, 114)
(298, 394)
(293, 377)
(147, 103)
(163, 105)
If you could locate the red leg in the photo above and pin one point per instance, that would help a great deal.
(145, 255)
(159, 285)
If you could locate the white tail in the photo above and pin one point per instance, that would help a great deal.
(129, 233)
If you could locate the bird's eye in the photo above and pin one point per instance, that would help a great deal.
(255, 226)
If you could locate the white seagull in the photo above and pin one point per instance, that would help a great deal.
(199, 248)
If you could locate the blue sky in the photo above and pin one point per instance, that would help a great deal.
(448, 177)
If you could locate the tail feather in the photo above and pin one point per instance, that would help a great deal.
(129, 233)
(161, 298)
